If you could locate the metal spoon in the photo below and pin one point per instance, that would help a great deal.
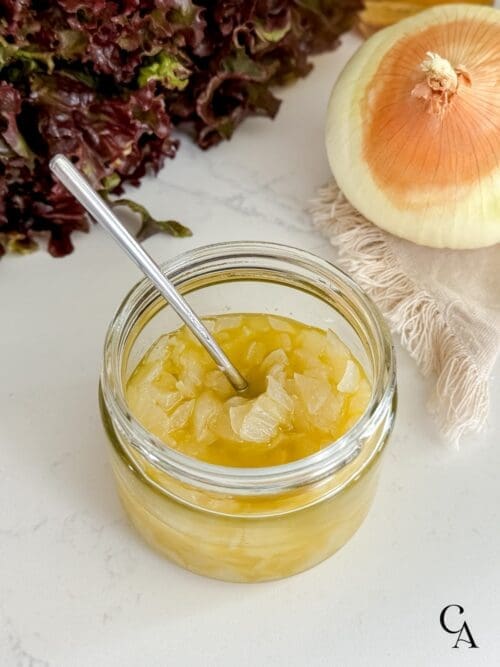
(95, 205)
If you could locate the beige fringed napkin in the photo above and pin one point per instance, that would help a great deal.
(444, 304)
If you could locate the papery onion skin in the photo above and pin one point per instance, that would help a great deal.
(424, 170)
(379, 14)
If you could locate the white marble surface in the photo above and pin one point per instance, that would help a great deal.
(78, 588)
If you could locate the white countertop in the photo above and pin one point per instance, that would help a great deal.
(78, 588)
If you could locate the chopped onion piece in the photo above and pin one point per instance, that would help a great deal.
(209, 323)
(217, 381)
(313, 341)
(256, 353)
(158, 350)
(278, 393)
(350, 380)
(227, 322)
(206, 410)
(237, 414)
(359, 401)
(276, 357)
(279, 324)
(180, 416)
(312, 391)
(336, 348)
(261, 422)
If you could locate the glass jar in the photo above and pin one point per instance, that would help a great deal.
(248, 524)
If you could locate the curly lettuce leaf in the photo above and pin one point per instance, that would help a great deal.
(9, 53)
(105, 82)
(10, 107)
(166, 68)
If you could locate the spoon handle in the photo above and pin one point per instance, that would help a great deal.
(95, 205)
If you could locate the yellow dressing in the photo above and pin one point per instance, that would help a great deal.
(305, 390)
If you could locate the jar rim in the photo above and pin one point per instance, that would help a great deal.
(258, 480)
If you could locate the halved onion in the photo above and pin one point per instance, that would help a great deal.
(413, 128)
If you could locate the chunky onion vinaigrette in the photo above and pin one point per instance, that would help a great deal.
(265, 483)
(305, 390)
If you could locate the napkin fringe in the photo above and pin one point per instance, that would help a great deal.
(460, 400)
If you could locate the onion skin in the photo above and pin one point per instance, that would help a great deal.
(379, 14)
(420, 160)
